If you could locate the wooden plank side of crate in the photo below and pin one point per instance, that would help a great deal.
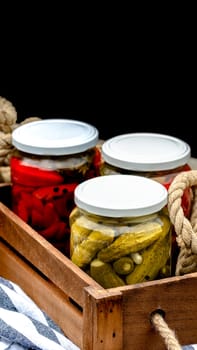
(45, 257)
(102, 322)
(176, 296)
(43, 292)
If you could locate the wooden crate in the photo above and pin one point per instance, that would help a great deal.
(92, 317)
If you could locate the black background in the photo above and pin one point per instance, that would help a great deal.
(109, 71)
(113, 106)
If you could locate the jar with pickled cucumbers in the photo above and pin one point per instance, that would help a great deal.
(156, 156)
(120, 233)
(51, 158)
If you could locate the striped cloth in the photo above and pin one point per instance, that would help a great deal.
(24, 326)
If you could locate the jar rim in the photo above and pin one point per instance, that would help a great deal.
(120, 196)
(55, 137)
(145, 152)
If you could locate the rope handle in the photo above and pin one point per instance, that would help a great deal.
(167, 334)
(186, 237)
(8, 122)
(185, 229)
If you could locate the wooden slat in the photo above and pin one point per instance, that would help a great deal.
(103, 320)
(37, 250)
(176, 296)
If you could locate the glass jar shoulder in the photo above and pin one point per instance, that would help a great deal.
(71, 161)
(160, 175)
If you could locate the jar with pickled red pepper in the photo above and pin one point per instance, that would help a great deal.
(51, 158)
(120, 232)
(157, 156)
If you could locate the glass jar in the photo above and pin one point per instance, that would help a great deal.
(157, 156)
(120, 233)
(51, 158)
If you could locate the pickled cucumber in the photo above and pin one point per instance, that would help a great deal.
(154, 258)
(131, 242)
(78, 234)
(91, 222)
(123, 266)
(75, 213)
(84, 252)
(104, 274)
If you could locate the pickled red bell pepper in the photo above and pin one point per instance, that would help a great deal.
(46, 209)
(50, 192)
(41, 199)
(32, 176)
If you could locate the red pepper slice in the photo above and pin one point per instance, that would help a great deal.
(32, 176)
(97, 158)
(63, 205)
(49, 215)
(37, 218)
(186, 202)
(51, 192)
(22, 211)
(18, 189)
(61, 231)
(50, 231)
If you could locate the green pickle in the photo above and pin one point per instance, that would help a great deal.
(141, 237)
(123, 266)
(104, 274)
(154, 259)
(78, 236)
(84, 252)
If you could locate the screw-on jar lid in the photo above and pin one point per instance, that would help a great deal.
(120, 196)
(55, 137)
(145, 152)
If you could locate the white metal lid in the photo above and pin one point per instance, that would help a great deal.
(120, 196)
(55, 137)
(145, 151)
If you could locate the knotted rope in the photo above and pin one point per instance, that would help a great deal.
(8, 115)
(186, 230)
(8, 122)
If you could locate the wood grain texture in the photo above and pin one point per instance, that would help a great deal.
(41, 254)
